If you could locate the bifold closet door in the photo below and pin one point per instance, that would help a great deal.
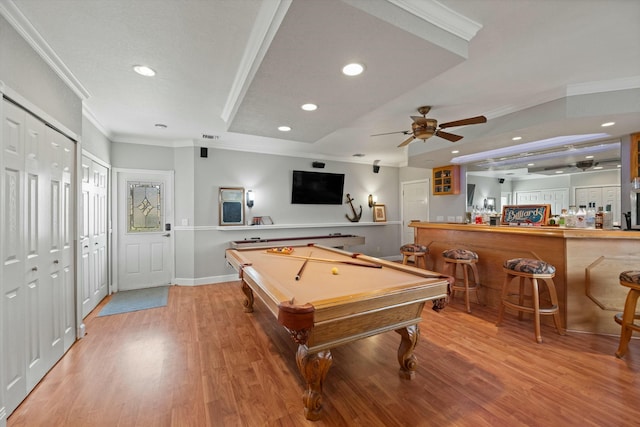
(93, 238)
(38, 267)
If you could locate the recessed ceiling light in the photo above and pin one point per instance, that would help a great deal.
(588, 157)
(516, 138)
(143, 70)
(597, 167)
(352, 69)
(455, 151)
(160, 125)
(284, 128)
(619, 166)
(531, 164)
(604, 125)
(309, 107)
(559, 171)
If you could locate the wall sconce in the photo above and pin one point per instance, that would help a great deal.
(250, 198)
(372, 200)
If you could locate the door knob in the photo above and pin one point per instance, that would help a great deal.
(34, 268)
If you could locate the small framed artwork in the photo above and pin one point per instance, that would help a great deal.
(379, 213)
(231, 205)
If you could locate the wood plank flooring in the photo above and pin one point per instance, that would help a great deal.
(202, 361)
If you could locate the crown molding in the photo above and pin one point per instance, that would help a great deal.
(441, 16)
(267, 23)
(23, 26)
(600, 86)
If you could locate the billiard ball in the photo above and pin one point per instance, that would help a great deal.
(334, 270)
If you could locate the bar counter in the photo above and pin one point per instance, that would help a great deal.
(588, 263)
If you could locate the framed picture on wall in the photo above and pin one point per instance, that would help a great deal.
(231, 206)
(379, 213)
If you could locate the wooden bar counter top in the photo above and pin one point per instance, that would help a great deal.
(588, 263)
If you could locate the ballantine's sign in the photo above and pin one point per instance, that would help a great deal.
(525, 214)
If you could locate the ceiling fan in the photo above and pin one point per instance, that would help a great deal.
(583, 165)
(424, 128)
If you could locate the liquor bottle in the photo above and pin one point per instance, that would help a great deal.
(563, 218)
(599, 218)
(570, 220)
(591, 215)
(581, 217)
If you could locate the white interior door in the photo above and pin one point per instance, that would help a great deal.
(38, 286)
(415, 206)
(93, 238)
(144, 218)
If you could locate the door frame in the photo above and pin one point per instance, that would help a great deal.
(107, 165)
(115, 226)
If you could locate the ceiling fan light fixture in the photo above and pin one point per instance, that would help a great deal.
(426, 130)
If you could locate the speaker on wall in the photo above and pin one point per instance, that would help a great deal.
(318, 165)
(204, 152)
(501, 180)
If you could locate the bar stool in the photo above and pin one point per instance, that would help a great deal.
(630, 279)
(532, 269)
(467, 260)
(416, 251)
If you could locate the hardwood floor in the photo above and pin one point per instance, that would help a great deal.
(202, 361)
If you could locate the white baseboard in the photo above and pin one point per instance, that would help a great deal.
(206, 280)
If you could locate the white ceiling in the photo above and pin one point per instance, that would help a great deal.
(238, 69)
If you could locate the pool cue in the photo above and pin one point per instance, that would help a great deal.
(359, 264)
(303, 266)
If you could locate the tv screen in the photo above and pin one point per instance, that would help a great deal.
(317, 188)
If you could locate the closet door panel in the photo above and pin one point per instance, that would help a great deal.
(13, 283)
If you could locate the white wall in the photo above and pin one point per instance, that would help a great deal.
(24, 71)
(94, 141)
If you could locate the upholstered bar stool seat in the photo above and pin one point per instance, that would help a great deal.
(416, 251)
(467, 260)
(630, 279)
(530, 271)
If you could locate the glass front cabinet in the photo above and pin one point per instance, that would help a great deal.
(446, 180)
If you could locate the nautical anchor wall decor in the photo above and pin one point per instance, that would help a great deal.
(356, 216)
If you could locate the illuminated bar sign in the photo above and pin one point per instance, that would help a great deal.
(527, 215)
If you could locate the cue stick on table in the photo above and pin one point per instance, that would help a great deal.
(303, 266)
(359, 264)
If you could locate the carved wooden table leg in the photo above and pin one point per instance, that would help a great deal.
(314, 368)
(408, 361)
(248, 302)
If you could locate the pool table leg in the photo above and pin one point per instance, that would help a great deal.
(408, 362)
(314, 368)
(248, 302)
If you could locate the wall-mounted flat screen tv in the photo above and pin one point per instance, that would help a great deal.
(317, 188)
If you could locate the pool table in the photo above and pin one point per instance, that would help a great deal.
(322, 308)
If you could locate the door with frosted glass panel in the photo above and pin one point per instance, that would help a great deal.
(145, 212)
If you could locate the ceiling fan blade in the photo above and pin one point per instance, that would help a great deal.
(463, 122)
(407, 141)
(406, 132)
(419, 120)
(448, 136)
